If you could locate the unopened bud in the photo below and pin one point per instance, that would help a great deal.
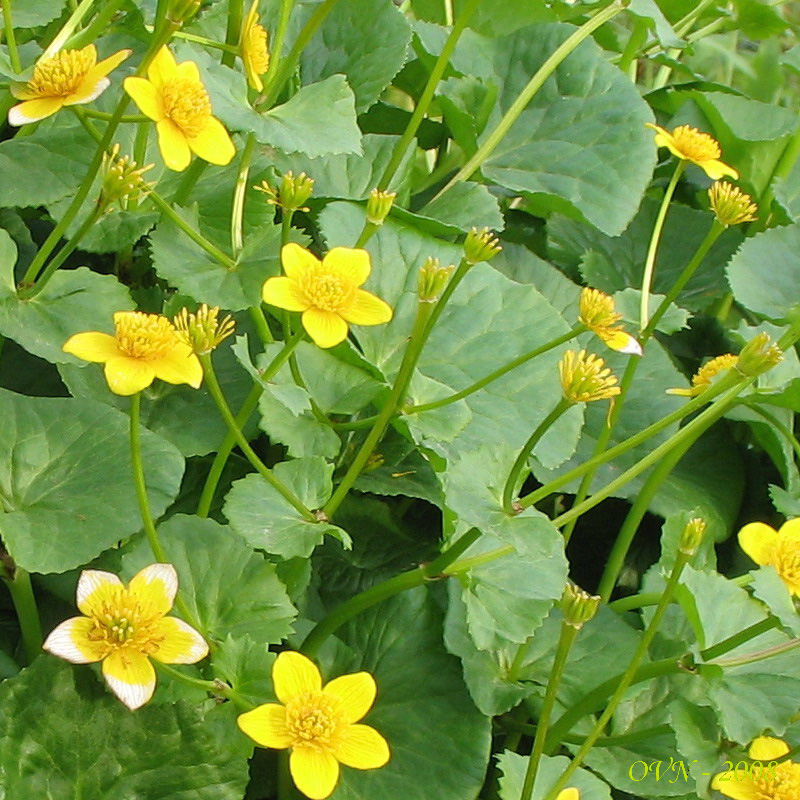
(379, 205)
(292, 194)
(692, 536)
(121, 180)
(432, 279)
(759, 355)
(202, 330)
(480, 245)
(181, 11)
(578, 606)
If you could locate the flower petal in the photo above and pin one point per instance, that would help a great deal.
(92, 346)
(130, 675)
(717, 169)
(294, 674)
(181, 644)
(731, 786)
(297, 261)
(569, 794)
(96, 590)
(326, 328)
(213, 144)
(155, 588)
(146, 97)
(349, 263)
(768, 748)
(102, 68)
(362, 747)
(126, 376)
(188, 70)
(314, 772)
(179, 365)
(367, 309)
(88, 92)
(356, 693)
(759, 541)
(266, 725)
(34, 110)
(22, 92)
(622, 342)
(70, 640)
(162, 68)
(173, 145)
(790, 530)
(283, 293)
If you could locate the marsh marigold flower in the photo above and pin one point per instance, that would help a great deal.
(255, 54)
(326, 292)
(125, 626)
(585, 378)
(775, 782)
(690, 144)
(730, 204)
(704, 377)
(318, 723)
(143, 347)
(174, 97)
(597, 312)
(69, 78)
(779, 549)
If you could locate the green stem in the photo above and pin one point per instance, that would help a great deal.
(410, 358)
(205, 41)
(261, 325)
(237, 213)
(435, 570)
(568, 635)
(97, 26)
(788, 434)
(635, 601)
(217, 688)
(603, 741)
(75, 19)
(24, 601)
(276, 48)
(234, 30)
(522, 458)
(655, 238)
(442, 62)
(738, 639)
(783, 169)
(367, 232)
(266, 473)
(104, 115)
(635, 42)
(529, 92)
(761, 655)
(188, 181)
(627, 677)
(11, 39)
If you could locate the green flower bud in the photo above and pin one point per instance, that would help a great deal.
(692, 536)
(379, 205)
(292, 193)
(481, 245)
(759, 355)
(181, 11)
(432, 279)
(202, 330)
(578, 606)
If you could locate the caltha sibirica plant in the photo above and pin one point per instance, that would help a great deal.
(397, 400)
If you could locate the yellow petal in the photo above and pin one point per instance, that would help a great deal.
(155, 588)
(21, 91)
(88, 92)
(162, 68)
(180, 365)
(146, 97)
(759, 541)
(297, 261)
(768, 748)
(109, 64)
(349, 263)
(622, 342)
(283, 293)
(126, 376)
(717, 169)
(130, 676)
(181, 644)
(727, 783)
(96, 590)
(326, 328)
(314, 772)
(569, 794)
(362, 747)
(187, 70)
(173, 145)
(294, 674)
(790, 530)
(34, 110)
(266, 725)
(92, 346)
(356, 693)
(70, 641)
(213, 144)
(367, 309)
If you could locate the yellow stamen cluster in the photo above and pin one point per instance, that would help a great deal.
(781, 784)
(597, 311)
(257, 50)
(480, 245)
(62, 74)
(314, 719)
(202, 330)
(585, 378)
(145, 336)
(327, 291)
(694, 144)
(187, 104)
(703, 378)
(122, 180)
(292, 194)
(123, 623)
(730, 204)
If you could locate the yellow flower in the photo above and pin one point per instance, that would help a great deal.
(585, 378)
(779, 549)
(124, 626)
(569, 794)
(703, 378)
(730, 204)
(776, 782)
(317, 723)
(598, 314)
(326, 292)
(174, 97)
(69, 78)
(689, 144)
(143, 347)
(255, 54)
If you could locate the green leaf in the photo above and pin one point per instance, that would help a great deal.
(66, 486)
(649, 10)
(34, 13)
(465, 206)
(698, 737)
(628, 301)
(260, 515)
(513, 766)
(230, 590)
(247, 666)
(769, 587)
(62, 736)
(757, 20)
(787, 190)
(746, 119)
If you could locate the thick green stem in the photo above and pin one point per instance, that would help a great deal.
(636, 40)
(529, 92)
(97, 26)
(442, 62)
(738, 639)
(234, 30)
(189, 181)
(237, 213)
(261, 325)
(276, 47)
(635, 601)
(11, 39)
(22, 597)
(266, 473)
(522, 459)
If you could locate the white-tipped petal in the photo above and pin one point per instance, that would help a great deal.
(70, 641)
(93, 586)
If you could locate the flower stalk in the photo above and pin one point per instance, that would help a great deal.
(18, 583)
(11, 39)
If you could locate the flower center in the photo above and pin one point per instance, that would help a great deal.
(187, 104)
(787, 563)
(257, 49)
(706, 374)
(597, 310)
(694, 145)
(314, 720)
(122, 624)
(62, 74)
(783, 784)
(145, 336)
(327, 292)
